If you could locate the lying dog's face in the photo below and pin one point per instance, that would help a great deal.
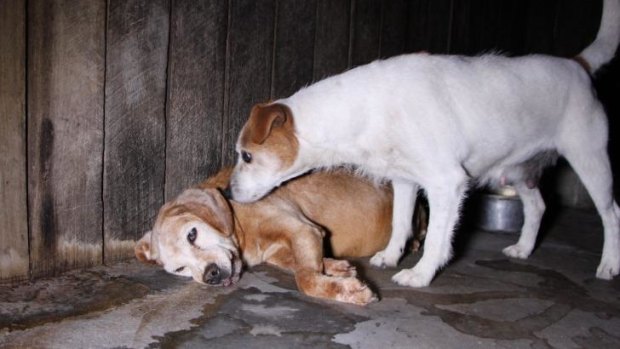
(193, 236)
(267, 149)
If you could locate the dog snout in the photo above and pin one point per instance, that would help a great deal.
(213, 275)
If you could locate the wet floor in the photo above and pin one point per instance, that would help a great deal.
(481, 300)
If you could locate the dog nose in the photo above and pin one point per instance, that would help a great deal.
(226, 192)
(212, 274)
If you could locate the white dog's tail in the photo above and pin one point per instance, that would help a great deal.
(604, 47)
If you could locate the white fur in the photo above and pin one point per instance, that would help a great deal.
(437, 122)
(261, 175)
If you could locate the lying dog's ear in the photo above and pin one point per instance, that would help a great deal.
(264, 118)
(143, 250)
(210, 206)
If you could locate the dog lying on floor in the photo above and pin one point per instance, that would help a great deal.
(202, 235)
(445, 123)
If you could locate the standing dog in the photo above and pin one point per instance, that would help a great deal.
(442, 123)
(202, 235)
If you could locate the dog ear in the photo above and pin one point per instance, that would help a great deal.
(264, 118)
(143, 250)
(210, 206)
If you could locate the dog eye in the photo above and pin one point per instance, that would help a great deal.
(191, 236)
(247, 157)
(178, 270)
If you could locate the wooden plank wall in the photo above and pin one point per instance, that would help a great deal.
(109, 108)
(195, 100)
(66, 51)
(135, 120)
(14, 262)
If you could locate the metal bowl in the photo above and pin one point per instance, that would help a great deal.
(501, 213)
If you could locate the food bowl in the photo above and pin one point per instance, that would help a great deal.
(499, 213)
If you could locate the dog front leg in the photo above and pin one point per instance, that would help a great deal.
(342, 289)
(444, 202)
(405, 195)
(306, 241)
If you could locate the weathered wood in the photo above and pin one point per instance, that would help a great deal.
(65, 133)
(429, 26)
(366, 36)
(250, 59)
(540, 24)
(607, 84)
(504, 27)
(294, 46)
(331, 46)
(13, 199)
(576, 26)
(134, 159)
(487, 25)
(195, 92)
(395, 19)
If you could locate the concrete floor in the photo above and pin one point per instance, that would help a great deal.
(481, 300)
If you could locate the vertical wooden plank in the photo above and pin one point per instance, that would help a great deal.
(488, 25)
(134, 159)
(294, 46)
(540, 23)
(576, 26)
(394, 30)
(510, 27)
(366, 34)
(13, 195)
(195, 92)
(607, 82)
(65, 133)
(331, 46)
(251, 31)
(429, 26)
(461, 32)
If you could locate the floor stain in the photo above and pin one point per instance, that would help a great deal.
(253, 318)
(32, 304)
(555, 287)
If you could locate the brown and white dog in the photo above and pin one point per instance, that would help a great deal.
(202, 235)
(445, 123)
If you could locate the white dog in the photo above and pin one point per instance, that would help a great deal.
(441, 123)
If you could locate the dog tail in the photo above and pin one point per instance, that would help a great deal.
(603, 49)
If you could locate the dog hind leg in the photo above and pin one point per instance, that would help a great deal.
(533, 209)
(444, 202)
(593, 168)
(405, 195)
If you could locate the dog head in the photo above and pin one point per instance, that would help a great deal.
(193, 236)
(267, 149)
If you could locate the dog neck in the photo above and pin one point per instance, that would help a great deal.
(337, 145)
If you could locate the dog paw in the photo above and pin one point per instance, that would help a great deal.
(384, 259)
(338, 267)
(607, 269)
(517, 251)
(412, 278)
(356, 292)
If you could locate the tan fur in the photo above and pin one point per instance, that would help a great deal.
(271, 125)
(285, 229)
(583, 63)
